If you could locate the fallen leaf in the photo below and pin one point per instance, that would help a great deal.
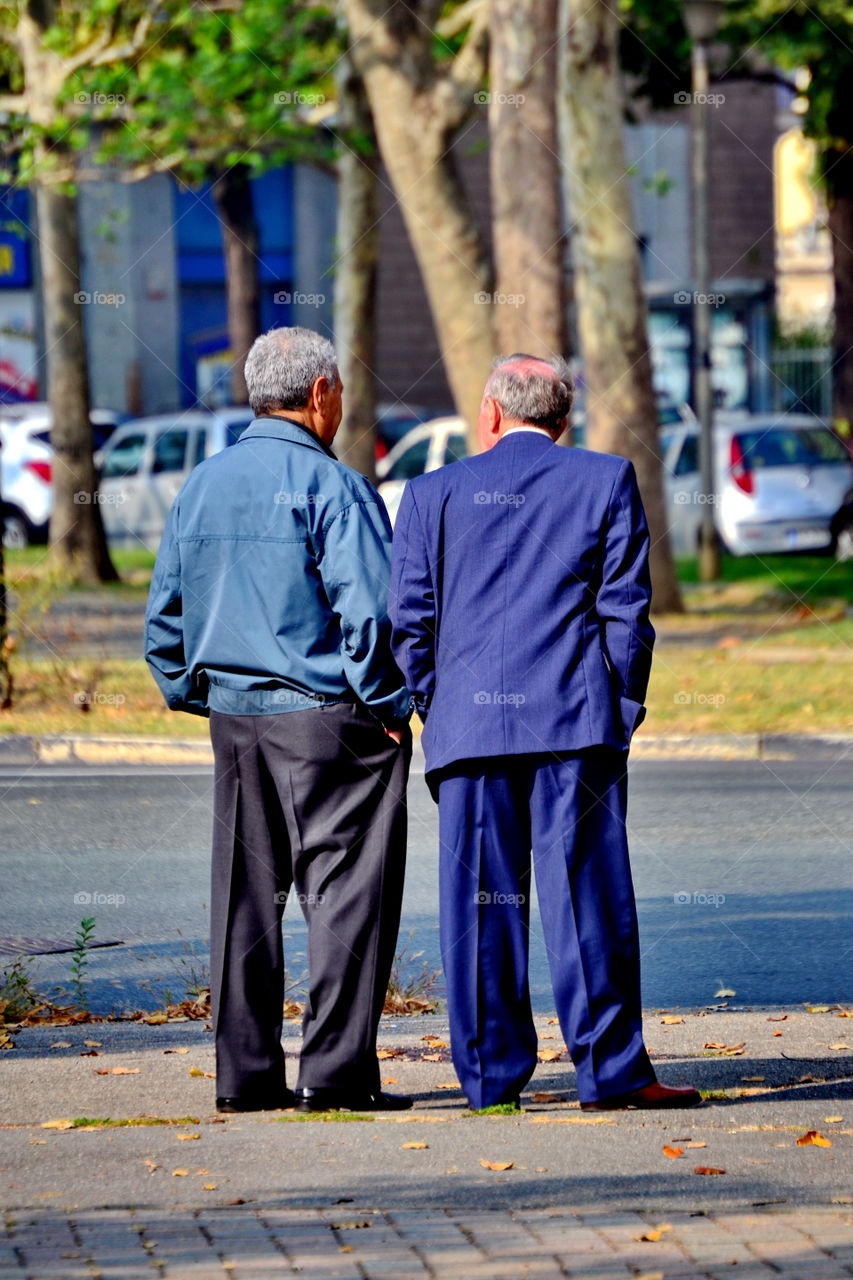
(813, 1139)
(694, 1145)
(430, 1036)
(548, 1055)
(197, 1071)
(188, 1137)
(842, 1199)
(777, 1033)
(819, 1008)
(832, 1119)
(670, 1021)
(38, 1142)
(61, 1044)
(651, 1275)
(553, 1022)
(729, 1050)
(94, 1044)
(90, 1053)
(388, 1053)
(708, 1170)
(176, 1050)
(782, 1017)
(724, 993)
(674, 1153)
(390, 1080)
(345, 1248)
(498, 1165)
(846, 1013)
(448, 1085)
(432, 1057)
(655, 1233)
(753, 1079)
(57, 1124)
(544, 1037)
(549, 1097)
(180, 1173)
(839, 1046)
(209, 1186)
(124, 1071)
(414, 1146)
(152, 1165)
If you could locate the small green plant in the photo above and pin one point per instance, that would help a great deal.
(80, 959)
(18, 996)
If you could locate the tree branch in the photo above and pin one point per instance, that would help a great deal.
(14, 103)
(469, 66)
(101, 51)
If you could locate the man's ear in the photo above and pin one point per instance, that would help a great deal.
(489, 422)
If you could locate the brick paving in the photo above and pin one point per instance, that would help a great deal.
(248, 1242)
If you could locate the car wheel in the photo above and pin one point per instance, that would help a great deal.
(16, 530)
(844, 543)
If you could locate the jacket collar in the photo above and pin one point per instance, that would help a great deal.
(286, 429)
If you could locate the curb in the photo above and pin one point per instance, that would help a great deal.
(27, 750)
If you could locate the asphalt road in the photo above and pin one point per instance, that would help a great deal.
(743, 872)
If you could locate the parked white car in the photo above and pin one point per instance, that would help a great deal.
(424, 448)
(27, 468)
(145, 463)
(780, 480)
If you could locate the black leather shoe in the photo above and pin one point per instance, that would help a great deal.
(653, 1097)
(340, 1100)
(257, 1102)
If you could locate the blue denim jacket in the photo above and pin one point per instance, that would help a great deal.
(270, 588)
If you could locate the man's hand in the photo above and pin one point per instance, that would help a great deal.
(397, 735)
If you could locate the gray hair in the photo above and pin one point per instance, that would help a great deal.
(284, 364)
(528, 394)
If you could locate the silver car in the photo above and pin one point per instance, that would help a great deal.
(780, 480)
(146, 462)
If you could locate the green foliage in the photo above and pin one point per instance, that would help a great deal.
(189, 88)
(80, 959)
(238, 86)
(18, 996)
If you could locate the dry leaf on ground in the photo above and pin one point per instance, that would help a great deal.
(548, 1055)
(655, 1233)
(414, 1146)
(813, 1139)
(708, 1170)
(674, 1153)
(500, 1166)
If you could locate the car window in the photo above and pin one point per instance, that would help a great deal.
(411, 462)
(688, 459)
(125, 457)
(786, 447)
(199, 452)
(234, 430)
(455, 449)
(170, 451)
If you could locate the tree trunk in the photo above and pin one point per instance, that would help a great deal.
(530, 309)
(620, 402)
(355, 282)
(232, 193)
(416, 111)
(840, 221)
(77, 541)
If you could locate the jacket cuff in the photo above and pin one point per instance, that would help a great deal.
(633, 715)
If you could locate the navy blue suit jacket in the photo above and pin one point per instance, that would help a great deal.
(520, 599)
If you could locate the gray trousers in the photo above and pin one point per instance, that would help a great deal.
(311, 802)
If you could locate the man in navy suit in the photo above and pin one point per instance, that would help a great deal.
(520, 603)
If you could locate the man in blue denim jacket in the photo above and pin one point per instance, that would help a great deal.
(267, 612)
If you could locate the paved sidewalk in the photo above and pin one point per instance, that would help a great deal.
(115, 1165)
(248, 1243)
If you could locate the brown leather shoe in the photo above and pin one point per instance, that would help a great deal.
(652, 1097)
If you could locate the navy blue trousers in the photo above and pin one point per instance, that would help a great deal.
(569, 812)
